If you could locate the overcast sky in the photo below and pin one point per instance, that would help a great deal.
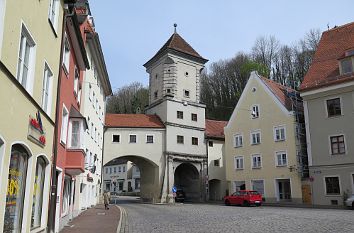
(132, 31)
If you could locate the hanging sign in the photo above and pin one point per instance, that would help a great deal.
(36, 131)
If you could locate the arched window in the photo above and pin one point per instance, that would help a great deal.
(38, 193)
(16, 189)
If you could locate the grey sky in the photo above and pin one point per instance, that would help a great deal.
(132, 31)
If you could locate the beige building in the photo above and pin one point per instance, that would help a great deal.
(328, 93)
(30, 43)
(262, 142)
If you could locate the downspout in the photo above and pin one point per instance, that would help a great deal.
(207, 171)
(54, 188)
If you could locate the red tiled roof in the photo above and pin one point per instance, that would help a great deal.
(324, 70)
(280, 91)
(176, 42)
(215, 129)
(133, 121)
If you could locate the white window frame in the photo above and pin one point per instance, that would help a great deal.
(136, 139)
(277, 153)
(258, 131)
(325, 186)
(53, 13)
(79, 133)
(192, 141)
(64, 125)
(330, 145)
(237, 139)
(261, 162)
(66, 55)
(47, 89)
(76, 80)
(279, 128)
(239, 158)
(255, 111)
(153, 138)
(28, 39)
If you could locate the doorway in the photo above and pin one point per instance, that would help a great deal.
(187, 179)
(283, 189)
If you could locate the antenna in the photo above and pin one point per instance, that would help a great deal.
(175, 25)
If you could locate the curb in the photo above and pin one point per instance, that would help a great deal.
(122, 220)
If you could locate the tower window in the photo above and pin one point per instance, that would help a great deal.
(194, 117)
(194, 141)
(180, 139)
(179, 115)
(155, 94)
(168, 90)
(186, 93)
(186, 74)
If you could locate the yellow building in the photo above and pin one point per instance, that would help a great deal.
(30, 44)
(263, 141)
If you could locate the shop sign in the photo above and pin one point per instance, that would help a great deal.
(36, 132)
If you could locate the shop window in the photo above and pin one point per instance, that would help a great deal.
(16, 189)
(38, 193)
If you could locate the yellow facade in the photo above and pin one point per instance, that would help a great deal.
(17, 104)
(272, 113)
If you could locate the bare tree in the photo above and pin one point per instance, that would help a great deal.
(265, 50)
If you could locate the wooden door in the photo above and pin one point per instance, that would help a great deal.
(306, 194)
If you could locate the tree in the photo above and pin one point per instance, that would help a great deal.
(129, 99)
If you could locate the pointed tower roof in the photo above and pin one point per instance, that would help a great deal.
(177, 45)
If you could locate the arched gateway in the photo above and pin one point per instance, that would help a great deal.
(171, 135)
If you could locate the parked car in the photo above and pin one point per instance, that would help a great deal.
(180, 195)
(244, 197)
(350, 202)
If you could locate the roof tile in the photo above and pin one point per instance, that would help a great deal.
(215, 129)
(133, 121)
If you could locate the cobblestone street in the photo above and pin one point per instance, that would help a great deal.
(219, 218)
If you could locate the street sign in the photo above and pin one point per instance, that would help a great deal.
(174, 189)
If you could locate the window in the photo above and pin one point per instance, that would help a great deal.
(38, 193)
(168, 90)
(90, 92)
(149, 138)
(238, 162)
(106, 170)
(255, 137)
(75, 134)
(255, 111)
(194, 117)
(281, 159)
(76, 81)
(238, 140)
(155, 94)
(123, 168)
(217, 162)
(258, 185)
(333, 107)
(114, 169)
(256, 161)
(179, 115)
(92, 128)
(64, 125)
(337, 144)
(66, 55)
(110, 170)
(195, 141)
(116, 138)
(53, 13)
(16, 189)
(47, 88)
(332, 185)
(186, 93)
(79, 96)
(132, 138)
(66, 196)
(119, 169)
(25, 58)
(180, 139)
(95, 134)
(346, 65)
(279, 133)
(211, 143)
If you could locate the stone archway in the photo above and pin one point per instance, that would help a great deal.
(149, 182)
(187, 177)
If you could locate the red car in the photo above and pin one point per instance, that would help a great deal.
(244, 197)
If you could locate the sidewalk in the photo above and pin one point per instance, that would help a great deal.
(94, 220)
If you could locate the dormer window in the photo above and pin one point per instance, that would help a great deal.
(347, 66)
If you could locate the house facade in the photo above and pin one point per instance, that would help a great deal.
(262, 142)
(30, 44)
(328, 93)
(95, 88)
(71, 123)
(215, 143)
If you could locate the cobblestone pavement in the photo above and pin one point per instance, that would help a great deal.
(218, 218)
